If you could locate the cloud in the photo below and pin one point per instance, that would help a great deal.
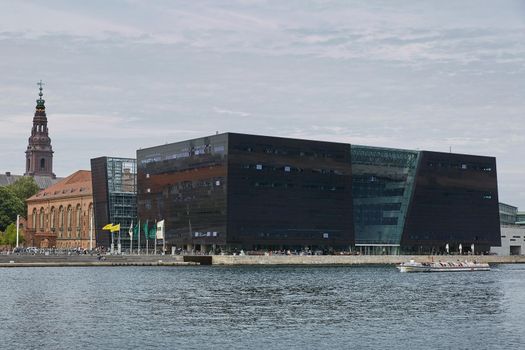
(229, 112)
(128, 74)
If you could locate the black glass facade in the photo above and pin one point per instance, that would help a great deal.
(288, 193)
(186, 184)
(256, 192)
(455, 202)
(245, 192)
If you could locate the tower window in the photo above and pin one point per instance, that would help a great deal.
(42, 164)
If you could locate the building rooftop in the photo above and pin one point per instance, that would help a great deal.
(78, 183)
(42, 181)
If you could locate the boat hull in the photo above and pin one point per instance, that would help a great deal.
(443, 267)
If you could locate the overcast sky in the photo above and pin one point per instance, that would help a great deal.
(121, 75)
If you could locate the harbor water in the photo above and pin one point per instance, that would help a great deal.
(270, 307)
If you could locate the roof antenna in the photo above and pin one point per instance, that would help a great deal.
(450, 149)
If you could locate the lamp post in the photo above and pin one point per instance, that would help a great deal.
(91, 232)
(17, 230)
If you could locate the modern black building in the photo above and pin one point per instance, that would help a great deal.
(237, 191)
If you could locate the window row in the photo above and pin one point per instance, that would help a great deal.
(291, 169)
(61, 220)
(268, 149)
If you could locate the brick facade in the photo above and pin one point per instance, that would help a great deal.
(61, 215)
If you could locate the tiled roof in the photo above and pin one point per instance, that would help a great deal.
(42, 181)
(76, 184)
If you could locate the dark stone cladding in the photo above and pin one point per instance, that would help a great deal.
(455, 200)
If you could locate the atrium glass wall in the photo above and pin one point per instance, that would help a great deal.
(382, 185)
(508, 214)
(114, 196)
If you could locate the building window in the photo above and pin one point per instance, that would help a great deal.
(69, 220)
(61, 221)
(259, 167)
(41, 220)
(53, 218)
(79, 220)
(42, 164)
(34, 219)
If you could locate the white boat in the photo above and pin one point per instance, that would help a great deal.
(442, 266)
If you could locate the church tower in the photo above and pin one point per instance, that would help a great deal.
(39, 154)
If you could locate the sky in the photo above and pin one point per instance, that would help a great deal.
(127, 74)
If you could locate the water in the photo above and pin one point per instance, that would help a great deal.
(260, 307)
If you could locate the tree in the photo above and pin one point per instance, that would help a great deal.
(24, 188)
(10, 206)
(10, 235)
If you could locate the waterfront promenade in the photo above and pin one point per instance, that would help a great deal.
(14, 260)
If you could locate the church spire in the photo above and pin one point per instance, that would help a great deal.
(39, 153)
(40, 102)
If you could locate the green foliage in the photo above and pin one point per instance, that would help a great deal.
(9, 237)
(24, 188)
(10, 206)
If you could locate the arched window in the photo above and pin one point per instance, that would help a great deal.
(43, 164)
(41, 219)
(53, 218)
(69, 220)
(79, 219)
(61, 221)
(33, 221)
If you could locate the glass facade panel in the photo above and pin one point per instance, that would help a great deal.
(382, 185)
(114, 196)
(508, 214)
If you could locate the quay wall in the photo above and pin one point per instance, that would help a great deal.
(356, 259)
(14, 260)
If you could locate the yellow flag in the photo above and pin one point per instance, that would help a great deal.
(108, 227)
(115, 228)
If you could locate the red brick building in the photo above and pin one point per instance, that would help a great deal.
(61, 216)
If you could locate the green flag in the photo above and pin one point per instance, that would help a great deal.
(146, 229)
(136, 232)
(152, 232)
(149, 232)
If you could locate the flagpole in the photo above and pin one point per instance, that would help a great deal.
(155, 249)
(146, 233)
(112, 242)
(138, 238)
(17, 231)
(163, 236)
(131, 239)
(119, 246)
(91, 231)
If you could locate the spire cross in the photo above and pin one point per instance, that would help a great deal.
(40, 88)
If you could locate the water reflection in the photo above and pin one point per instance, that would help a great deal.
(277, 307)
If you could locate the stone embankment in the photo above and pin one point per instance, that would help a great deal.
(14, 260)
(356, 259)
